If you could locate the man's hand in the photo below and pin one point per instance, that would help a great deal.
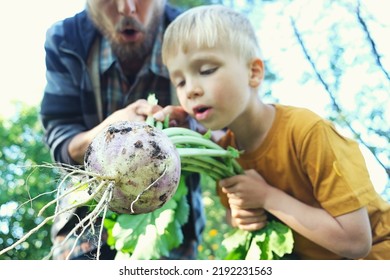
(137, 111)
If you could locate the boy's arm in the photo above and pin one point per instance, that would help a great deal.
(347, 235)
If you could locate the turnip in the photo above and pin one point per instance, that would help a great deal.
(142, 163)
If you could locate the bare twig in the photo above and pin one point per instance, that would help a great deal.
(332, 97)
(371, 41)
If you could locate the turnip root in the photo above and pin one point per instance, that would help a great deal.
(142, 162)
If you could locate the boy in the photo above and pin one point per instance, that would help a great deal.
(298, 167)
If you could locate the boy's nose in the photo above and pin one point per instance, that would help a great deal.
(126, 7)
(194, 91)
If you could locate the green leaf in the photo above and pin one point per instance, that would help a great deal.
(277, 241)
(264, 246)
(255, 250)
(235, 153)
(235, 239)
(173, 236)
(208, 134)
(281, 239)
(272, 242)
(109, 223)
(152, 242)
(126, 230)
(151, 235)
(182, 211)
(238, 254)
(235, 243)
(182, 189)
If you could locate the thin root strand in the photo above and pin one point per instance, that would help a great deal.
(147, 188)
(57, 213)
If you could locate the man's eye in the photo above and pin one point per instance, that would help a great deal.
(208, 71)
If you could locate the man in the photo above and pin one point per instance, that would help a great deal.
(101, 65)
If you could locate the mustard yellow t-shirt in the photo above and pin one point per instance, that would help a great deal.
(307, 158)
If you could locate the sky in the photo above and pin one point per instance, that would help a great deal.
(22, 70)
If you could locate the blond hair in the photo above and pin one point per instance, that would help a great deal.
(208, 26)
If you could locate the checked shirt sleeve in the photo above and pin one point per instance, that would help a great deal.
(61, 113)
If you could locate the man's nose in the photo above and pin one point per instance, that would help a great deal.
(127, 7)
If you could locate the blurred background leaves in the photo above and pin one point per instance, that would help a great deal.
(22, 150)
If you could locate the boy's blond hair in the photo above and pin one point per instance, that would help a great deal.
(209, 26)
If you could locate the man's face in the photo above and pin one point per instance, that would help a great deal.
(130, 25)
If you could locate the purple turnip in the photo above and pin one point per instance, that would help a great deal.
(142, 163)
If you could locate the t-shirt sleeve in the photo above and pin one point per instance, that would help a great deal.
(337, 170)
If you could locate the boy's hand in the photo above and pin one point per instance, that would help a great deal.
(248, 219)
(177, 116)
(247, 191)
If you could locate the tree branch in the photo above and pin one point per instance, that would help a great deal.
(371, 42)
(335, 105)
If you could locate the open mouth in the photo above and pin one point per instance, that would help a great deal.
(130, 34)
(201, 112)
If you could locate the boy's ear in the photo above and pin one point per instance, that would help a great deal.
(256, 72)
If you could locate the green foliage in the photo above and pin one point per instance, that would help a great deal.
(22, 150)
(151, 235)
(270, 243)
(220, 242)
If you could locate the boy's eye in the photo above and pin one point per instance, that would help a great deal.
(180, 83)
(208, 71)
